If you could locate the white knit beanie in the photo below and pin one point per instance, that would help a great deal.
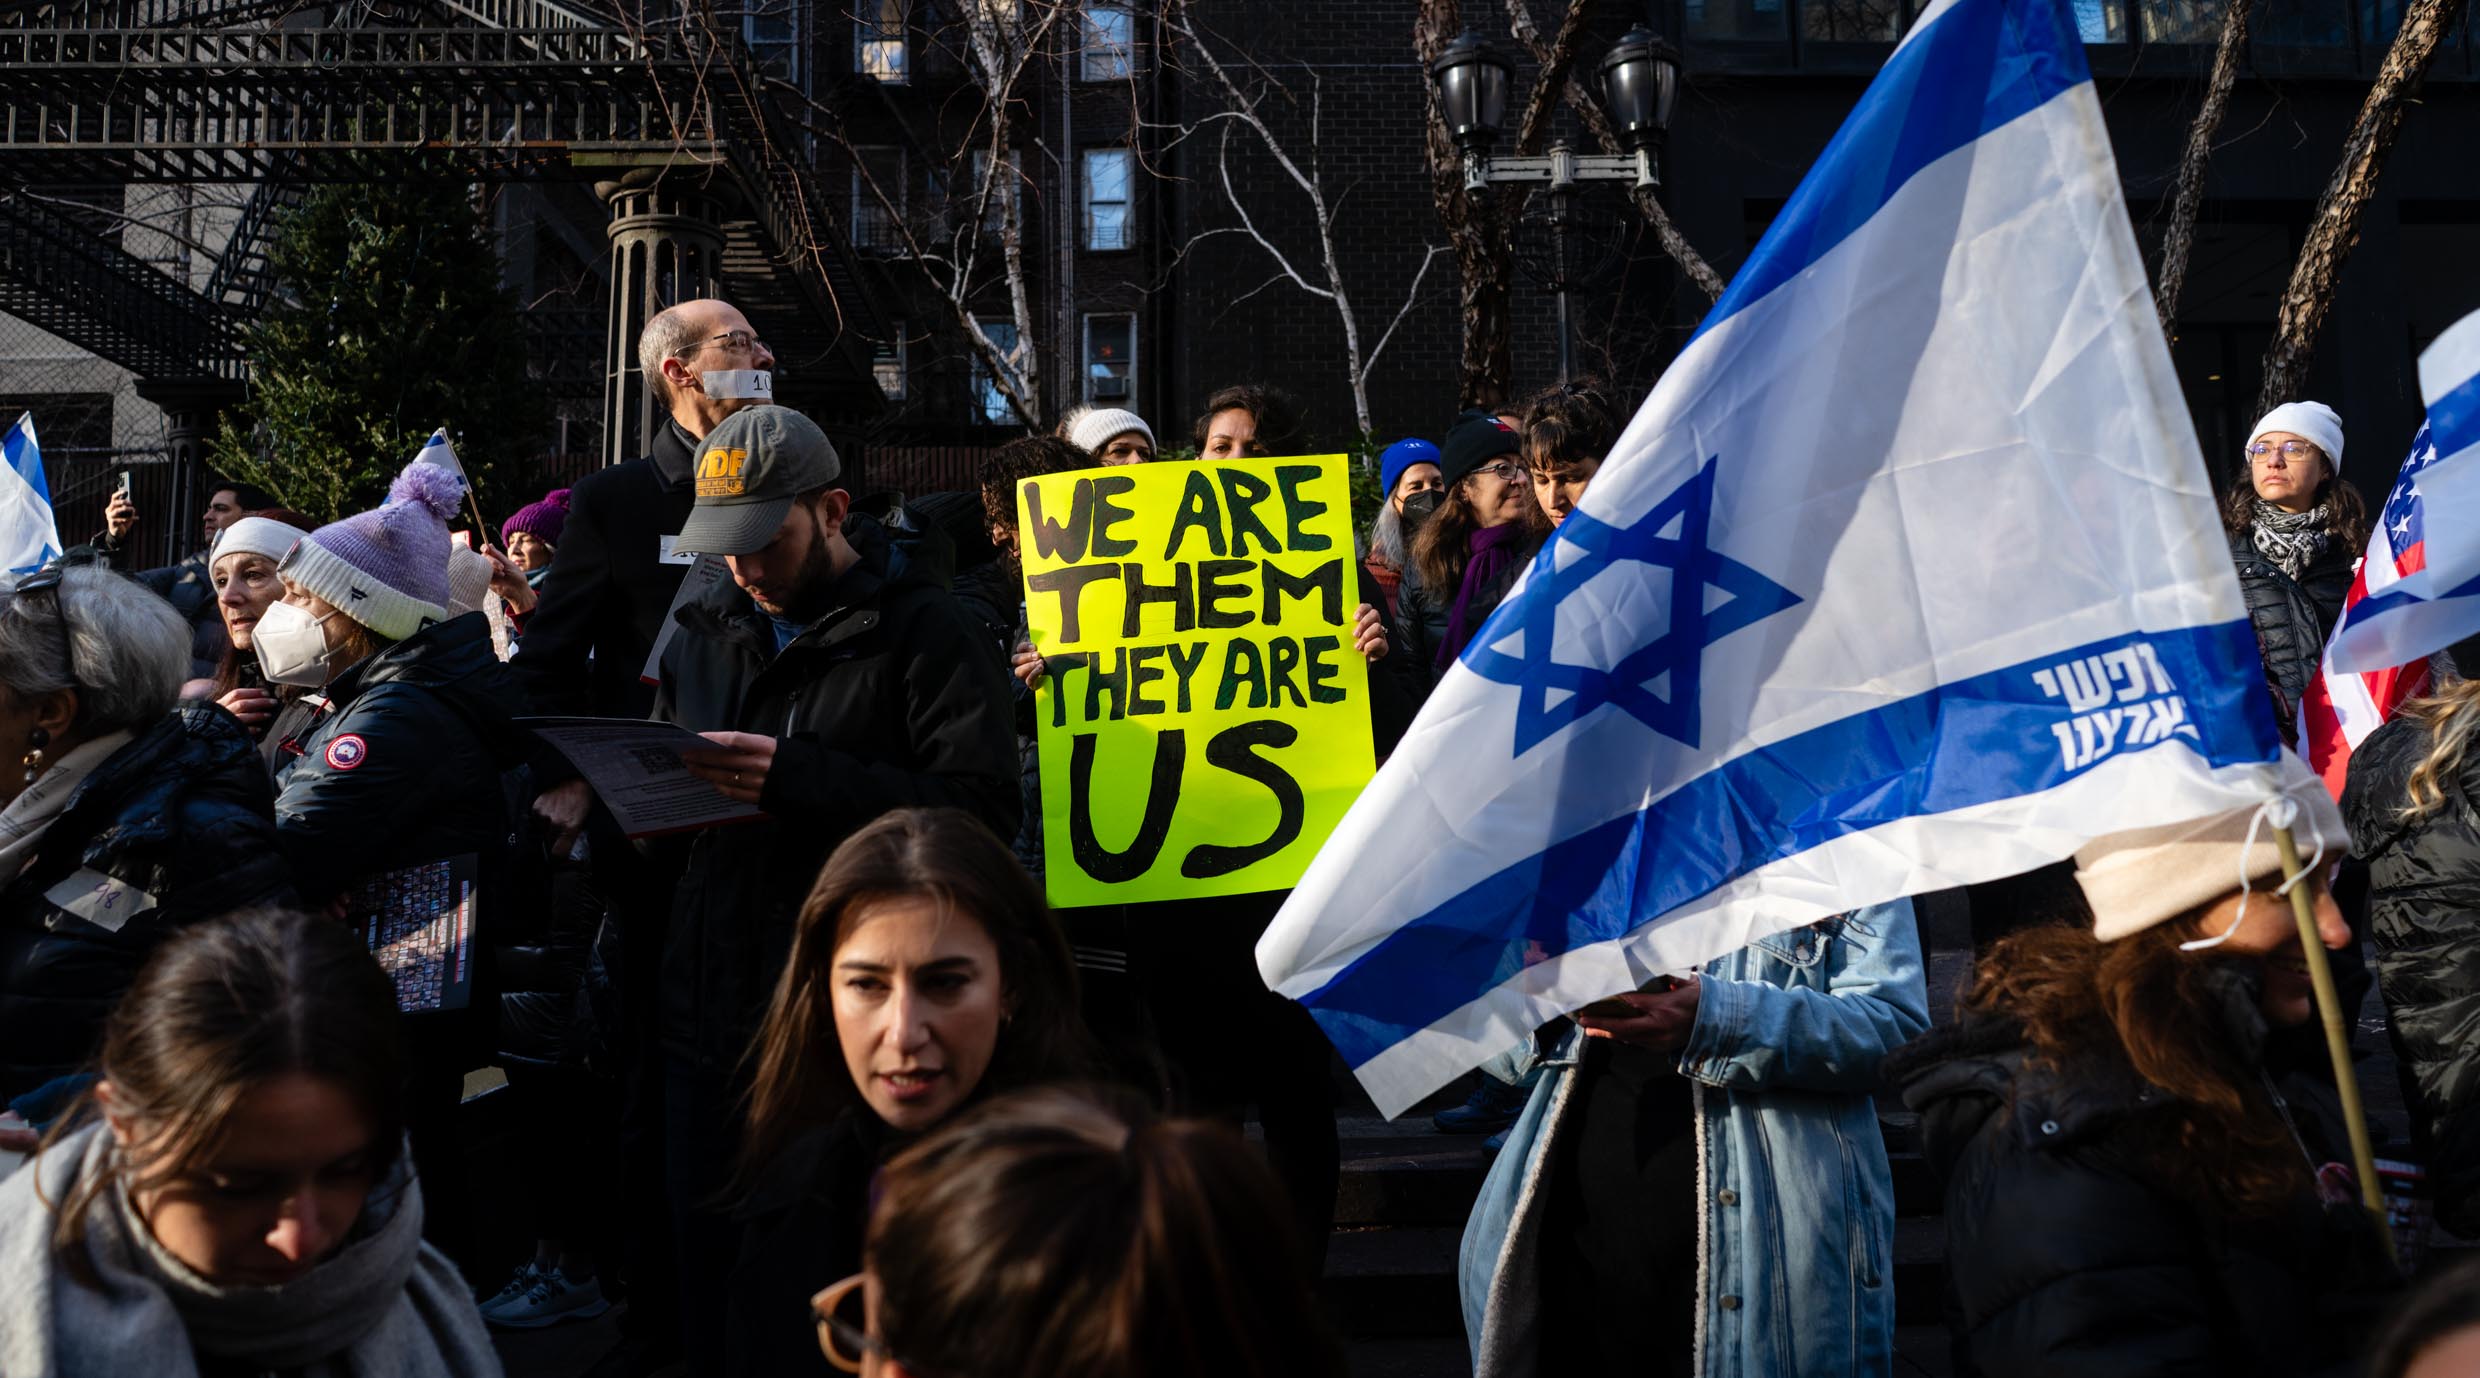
(256, 536)
(1093, 430)
(2134, 880)
(2310, 421)
(469, 580)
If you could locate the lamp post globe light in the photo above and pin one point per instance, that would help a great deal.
(1640, 78)
(1472, 78)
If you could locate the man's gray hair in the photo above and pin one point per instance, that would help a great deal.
(672, 330)
(130, 649)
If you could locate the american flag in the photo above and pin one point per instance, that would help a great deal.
(2413, 596)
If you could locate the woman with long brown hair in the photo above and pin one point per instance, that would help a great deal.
(926, 975)
(2411, 810)
(2296, 528)
(1053, 1235)
(2131, 1185)
(1469, 552)
(243, 1201)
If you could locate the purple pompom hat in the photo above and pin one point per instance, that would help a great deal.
(387, 568)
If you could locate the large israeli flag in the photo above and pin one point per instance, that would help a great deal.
(29, 537)
(1907, 575)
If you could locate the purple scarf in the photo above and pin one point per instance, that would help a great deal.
(1495, 551)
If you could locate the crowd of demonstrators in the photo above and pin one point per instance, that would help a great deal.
(125, 817)
(244, 1200)
(1054, 1232)
(847, 1038)
(2135, 1179)
(837, 683)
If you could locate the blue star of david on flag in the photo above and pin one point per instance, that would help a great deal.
(1674, 535)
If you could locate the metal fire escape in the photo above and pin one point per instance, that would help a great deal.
(278, 95)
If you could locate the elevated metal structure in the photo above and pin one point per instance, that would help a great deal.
(245, 91)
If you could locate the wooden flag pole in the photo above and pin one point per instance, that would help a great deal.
(2337, 1037)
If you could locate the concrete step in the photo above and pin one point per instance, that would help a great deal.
(1393, 1283)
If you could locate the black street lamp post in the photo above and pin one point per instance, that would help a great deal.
(1640, 77)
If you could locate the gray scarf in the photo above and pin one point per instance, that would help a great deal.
(2291, 539)
(385, 1306)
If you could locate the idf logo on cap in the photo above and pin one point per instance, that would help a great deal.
(719, 471)
(749, 469)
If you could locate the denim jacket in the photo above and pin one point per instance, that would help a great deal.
(1795, 1202)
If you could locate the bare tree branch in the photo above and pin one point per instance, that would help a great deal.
(2178, 239)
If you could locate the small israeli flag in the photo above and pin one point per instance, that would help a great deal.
(438, 451)
(29, 537)
(1907, 575)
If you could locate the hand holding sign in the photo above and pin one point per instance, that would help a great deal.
(1202, 690)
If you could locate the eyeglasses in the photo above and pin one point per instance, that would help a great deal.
(1506, 470)
(844, 1343)
(2291, 449)
(742, 340)
(48, 581)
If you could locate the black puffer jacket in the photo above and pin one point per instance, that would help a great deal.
(2424, 912)
(404, 763)
(585, 645)
(2293, 617)
(895, 699)
(179, 814)
(2064, 1257)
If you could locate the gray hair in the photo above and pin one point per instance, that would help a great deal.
(671, 331)
(129, 649)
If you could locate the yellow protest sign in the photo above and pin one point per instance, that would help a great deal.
(1206, 721)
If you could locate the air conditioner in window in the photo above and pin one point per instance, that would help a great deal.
(1110, 389)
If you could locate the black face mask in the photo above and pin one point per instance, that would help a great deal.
(1418, 507)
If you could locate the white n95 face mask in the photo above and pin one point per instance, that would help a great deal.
(738, 384)
(291, 645)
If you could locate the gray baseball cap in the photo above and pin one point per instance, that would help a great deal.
(748, 471)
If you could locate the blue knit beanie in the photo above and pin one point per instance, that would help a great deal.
(1402, 455)
(388, 568)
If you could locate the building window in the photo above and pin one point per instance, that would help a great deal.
(1110, 44)
(2101, 21)
(990, 403)
(772, 29)
(1110, 359)
(1851, 21)
(879, 48)
(887, 365)
(1107, 222)
(1738, 21)
(2182, 21)
(878, 198)
(1003, 193)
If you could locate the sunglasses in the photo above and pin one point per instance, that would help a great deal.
(48, 581)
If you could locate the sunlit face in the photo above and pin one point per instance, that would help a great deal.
(1499, 491)
(1417, 478)
(1232, 434)
(1128, 447)
(2271, 934)
(528, 551)
(223, 509)
(919, 1001)
(1558, 485)
(245, 586)
(785, 574)
(280, 1193)
(2289, 472)
(723, 340)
